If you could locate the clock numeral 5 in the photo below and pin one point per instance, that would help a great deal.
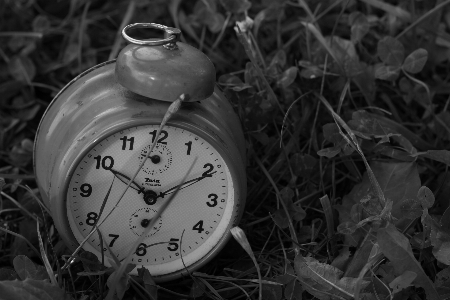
(162, 136)
(124, 140)
(107, 162)
(173, 245)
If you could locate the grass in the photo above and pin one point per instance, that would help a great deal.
(344, 105)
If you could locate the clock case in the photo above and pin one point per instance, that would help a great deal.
(95, 105)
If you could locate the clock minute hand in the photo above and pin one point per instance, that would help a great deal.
(184, 185)
(125, 179)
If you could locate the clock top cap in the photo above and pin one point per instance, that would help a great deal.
(163, 69)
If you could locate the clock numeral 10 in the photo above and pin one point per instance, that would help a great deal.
(199, 226)
(162, 136)
(107, 162)
(124, 140)
(173, 245)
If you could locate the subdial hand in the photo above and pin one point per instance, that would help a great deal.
(184, 185)
(125, 179)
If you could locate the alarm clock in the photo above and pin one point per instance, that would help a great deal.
(96, 133)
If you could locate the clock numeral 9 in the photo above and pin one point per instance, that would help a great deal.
(124, 140)
(213, 198)
(198, 226)
(86, 190)
(107, 162)
(141, 249)
(173, 245)
(91, 218)
(162, 136)
(207, 173)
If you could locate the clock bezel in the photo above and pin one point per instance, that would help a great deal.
(180, 121)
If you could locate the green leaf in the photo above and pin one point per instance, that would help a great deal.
(22, 68)
(389, 73)
(391, 51)
(288, 77)
(411, 208)
(236, 6)
(426, 197)
(31, 289)
(359, 26)
(415, 62)
(303, 165)
(346, 228)
(25, 268)
(442, 156)
(403, 281)
(395, 246)
(324, 277)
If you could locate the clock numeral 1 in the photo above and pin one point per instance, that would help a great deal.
(198, 226)
(213, 198)
(124, 140)
(115, 237)
(141, 249)
(162, 136)
(189, 146)
(173, 245)
(107, 162)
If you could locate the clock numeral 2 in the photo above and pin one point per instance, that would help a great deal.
(107, 162)
(124, 140)
(207, 173)
(173, 245)
(198, 226)
(162, 136)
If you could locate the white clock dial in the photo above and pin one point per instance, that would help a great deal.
(190, 227)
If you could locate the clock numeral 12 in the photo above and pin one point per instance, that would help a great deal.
(198, 226)
(162, 136)
(124, 140)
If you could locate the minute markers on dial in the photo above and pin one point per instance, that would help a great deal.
(184, 185)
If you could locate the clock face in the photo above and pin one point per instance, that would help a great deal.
(190, 227)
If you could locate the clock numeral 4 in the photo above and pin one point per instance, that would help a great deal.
(124, 140)
(107, 162)
(199, 226)
(173, 245)
(162, 136)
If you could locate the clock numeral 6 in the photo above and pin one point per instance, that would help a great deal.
(107, 162)
(173, 245)
(198, 226)
(141, 249)
(86, 190)
(213, 198)
(162, 136)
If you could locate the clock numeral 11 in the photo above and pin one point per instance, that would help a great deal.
(124, 140)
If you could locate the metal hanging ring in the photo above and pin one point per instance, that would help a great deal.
(171, 35)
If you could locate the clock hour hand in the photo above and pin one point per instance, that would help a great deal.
(184, 185)
(125, 179)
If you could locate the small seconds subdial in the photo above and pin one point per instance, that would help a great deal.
(158, 162)
(140, 220)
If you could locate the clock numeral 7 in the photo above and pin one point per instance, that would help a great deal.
(115, 237)
(124, 140)
(162, 136)
(173, 245)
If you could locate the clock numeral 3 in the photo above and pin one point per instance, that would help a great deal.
(173, 245)
(107, 162)
(162, 136)
(199, 226)
(124, 140)
(213, 198)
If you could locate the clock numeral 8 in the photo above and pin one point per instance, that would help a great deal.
(91, 218)
(141, 249)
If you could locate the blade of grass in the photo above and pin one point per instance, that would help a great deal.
(47, 265)
(125, 21)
